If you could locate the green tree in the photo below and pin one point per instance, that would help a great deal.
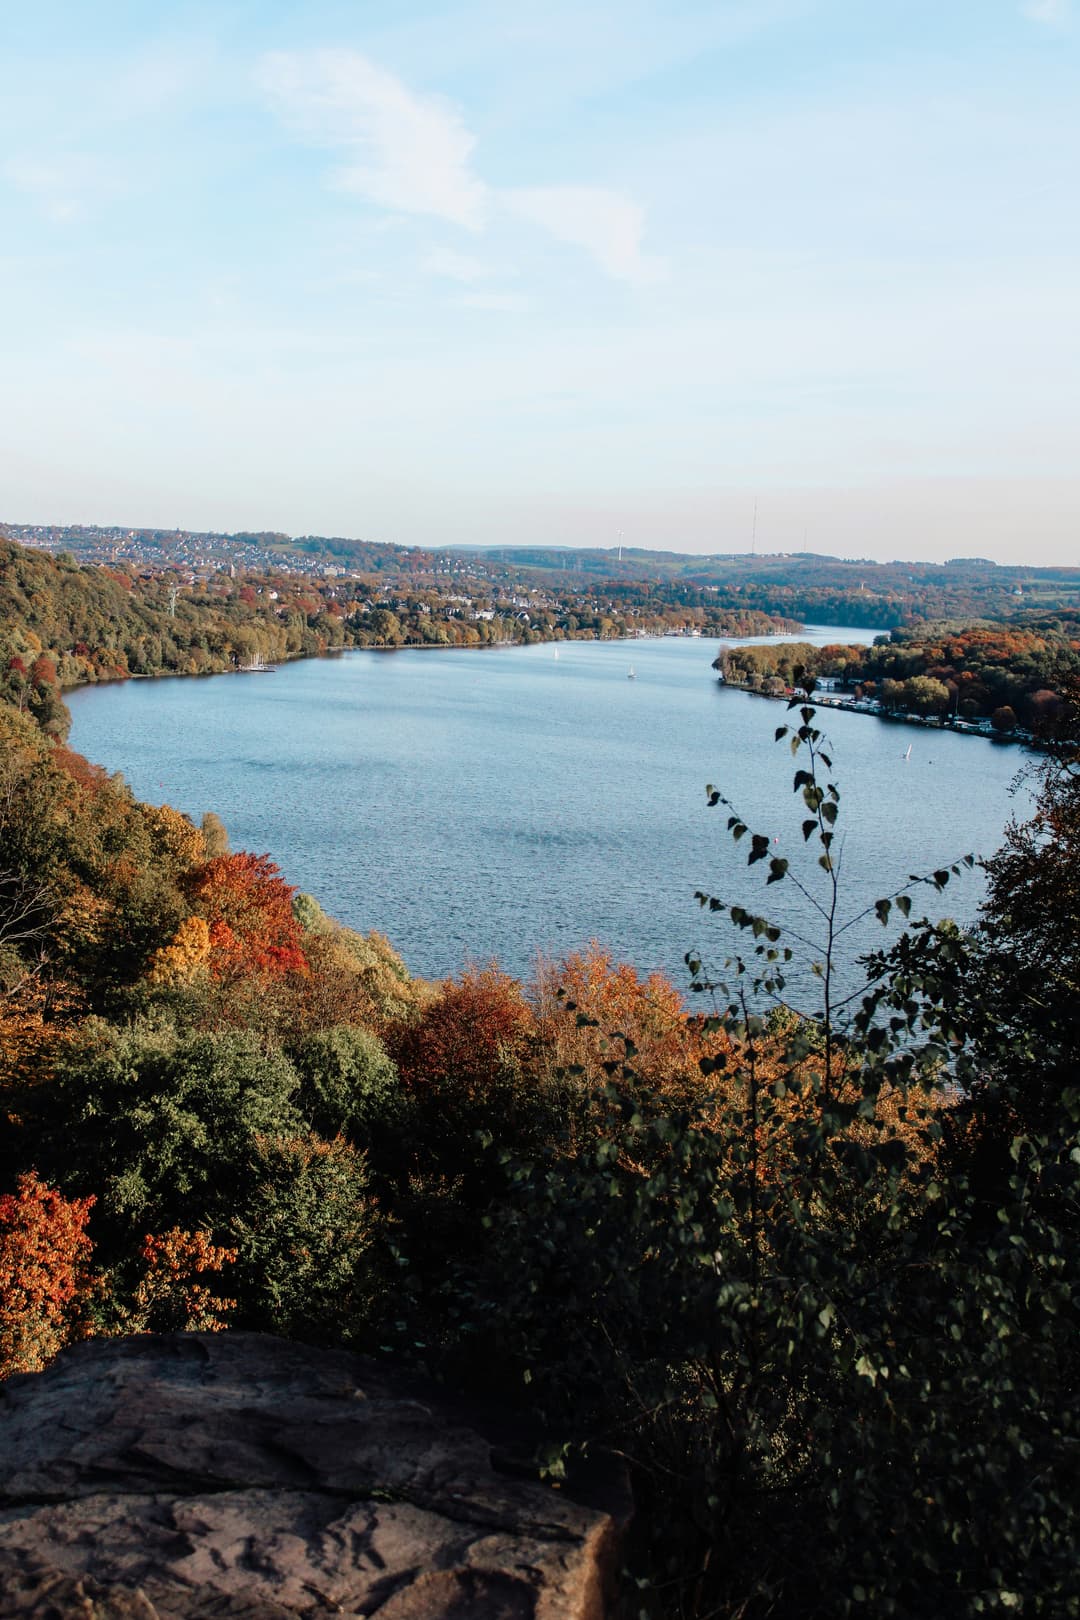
(164, 1128)
(348, 1084)
(925, 695)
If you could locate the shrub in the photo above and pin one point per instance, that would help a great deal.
(348, 1084)
(44, 1273)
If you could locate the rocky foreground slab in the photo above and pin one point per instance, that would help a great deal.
(197, 1476)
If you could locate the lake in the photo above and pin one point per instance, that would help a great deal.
(495, 804)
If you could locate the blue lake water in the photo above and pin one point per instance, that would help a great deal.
(496, 804)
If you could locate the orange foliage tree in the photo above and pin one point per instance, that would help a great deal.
(170, 1297)
(44, 1273)
(588, 1000)
(248, 909)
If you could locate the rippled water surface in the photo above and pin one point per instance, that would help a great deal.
(499, 803)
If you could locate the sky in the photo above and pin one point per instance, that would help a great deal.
(573, 274)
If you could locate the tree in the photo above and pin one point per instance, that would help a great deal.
(164, 1128)
(215, 837)
(925, 695)
(44, 1273)
(170, 1296)
(582, 1001)
(248, 908)
(308, 1239)
(469, 1040)
(348, 1084)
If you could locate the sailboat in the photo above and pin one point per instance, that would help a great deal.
(556, 653)
(630, 675)
(907, 756)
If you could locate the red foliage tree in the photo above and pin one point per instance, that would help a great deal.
(44, 1260)
(43, 671)
(249, 911)
(79, 768)
(170, 1298)
(472, 1035)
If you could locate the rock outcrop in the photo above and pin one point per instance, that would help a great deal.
(198, 1476)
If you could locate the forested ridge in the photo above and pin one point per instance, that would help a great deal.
(803, 585)
(812, 1271)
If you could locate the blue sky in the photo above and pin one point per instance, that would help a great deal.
(440, 273)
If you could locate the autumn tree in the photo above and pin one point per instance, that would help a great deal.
(463, 1062)
(593, 1011)
(470, 1039)
(173, 1294)
(248, 908)
(44, 1272)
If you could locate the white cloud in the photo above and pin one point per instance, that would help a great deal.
(62, 187)
(1051, 12)
(411, 153)
(457, 266)
(406, 152)
(607, 225)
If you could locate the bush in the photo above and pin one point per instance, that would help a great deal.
(306, 1233)
(45, 1280)
(348, 1084)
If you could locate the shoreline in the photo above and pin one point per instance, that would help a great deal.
(435, 647)
(961, 728)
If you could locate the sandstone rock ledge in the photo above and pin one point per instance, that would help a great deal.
(198, 1476)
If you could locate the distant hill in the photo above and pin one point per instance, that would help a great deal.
(796, 585)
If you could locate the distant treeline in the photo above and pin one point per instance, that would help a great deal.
(1014, 673)
(63, 625)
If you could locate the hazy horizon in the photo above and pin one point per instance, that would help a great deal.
(448, 273)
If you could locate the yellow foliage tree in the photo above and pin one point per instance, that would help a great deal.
(187, 952)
